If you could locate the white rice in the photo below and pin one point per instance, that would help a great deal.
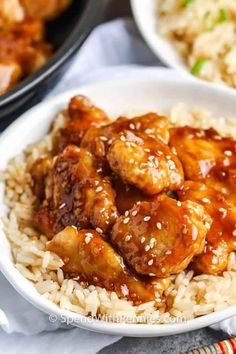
(204, 33)
(187, 297)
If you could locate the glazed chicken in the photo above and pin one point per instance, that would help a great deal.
(206, 156)
(127, 195)
(23, 48)
(115, 201)
(76, 194)
(22, 52)
(45, 9)
(80, 116)
(221, 238)
(161, 237)
(145, 163)
(87, 255)
(39, 171)
(98, 140)
(11, 11)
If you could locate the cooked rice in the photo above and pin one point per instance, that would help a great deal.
(187, 297)
(204, 33)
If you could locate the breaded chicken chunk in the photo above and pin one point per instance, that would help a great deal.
(39, 171)
(221, 238)
(80, 116)
(98, 140)
(127, 195)
(76, 194)
(87, 255)
(145, 162)
(45, 9)
(22, 52)
(11, 11)
(161, 237)
(202, 152)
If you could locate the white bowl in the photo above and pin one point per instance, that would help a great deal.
(146, 18)
(145, 15)
(152, 90)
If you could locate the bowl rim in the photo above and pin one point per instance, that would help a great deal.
(132, 330)
(91, 15)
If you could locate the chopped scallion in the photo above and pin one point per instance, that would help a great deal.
(188, 2)
(223, 16)
(197, 67)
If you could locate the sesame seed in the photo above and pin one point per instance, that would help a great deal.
(234, 233)
(128, 237)
(127, 213)
(126, 220)
(228, 153)
(178, 203)
(99, 189)
(147, 218)
(205, 200)
(74, 227)
(89, 234)
(142, 239)
(152, 242)
(102, 210)
(87, 240)
(147, 150)
(147, 248)
(131, 160)
(160, 152)
(100, 231)
(62, 205)
(103, 138)
(150, 262)
(124, 290)
(207, 225)
(122, 138)
(168, 157)
(163, 269)
(168, 252)
(132, 126)
(223, 211)
(152, 275)
(134, 213)
(159, 226)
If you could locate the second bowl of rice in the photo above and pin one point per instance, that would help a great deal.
(36, 273)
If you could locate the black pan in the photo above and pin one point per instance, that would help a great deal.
(67, 34)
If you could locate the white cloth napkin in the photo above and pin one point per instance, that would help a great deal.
(105, 54)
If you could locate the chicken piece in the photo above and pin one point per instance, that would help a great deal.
(81, 115)
(220, 239)
(127, 195)
(145, 163)
(45, 9)
(161, 237)
(11, 11)
(10, 75)
(87, 255)
(200, 151)
(39, 171)
(76, 194)
(22, 52)
(98, 140)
